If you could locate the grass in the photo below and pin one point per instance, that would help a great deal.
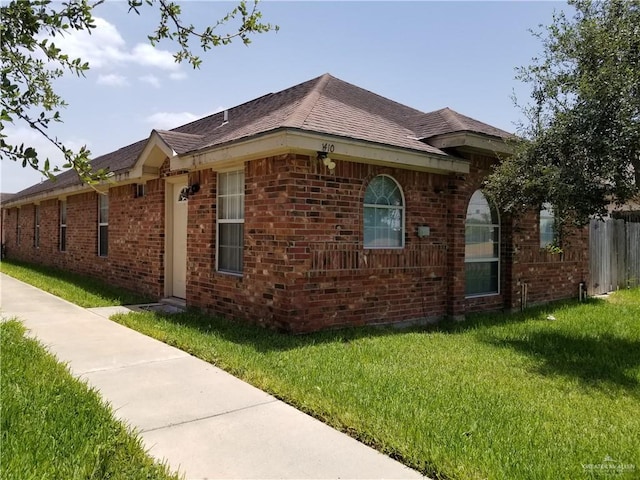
(82, 290)
(497, 396)
(55, 427)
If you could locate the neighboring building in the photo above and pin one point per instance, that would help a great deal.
(629, 212)
(323, 205)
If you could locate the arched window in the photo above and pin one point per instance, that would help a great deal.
(383, 214)
(482, 247)
(547, 226)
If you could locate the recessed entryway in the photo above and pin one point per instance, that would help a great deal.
(176, 235)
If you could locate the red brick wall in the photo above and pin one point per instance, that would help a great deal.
(82, 236)
(136, 237)
(326, 212)
(547, 276)
(294, 211)
(305, 267)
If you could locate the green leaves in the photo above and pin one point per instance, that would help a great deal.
(27, 80)
(172, 28)
(583, 131)
(31, 62)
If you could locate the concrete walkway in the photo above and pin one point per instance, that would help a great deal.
(206, 423)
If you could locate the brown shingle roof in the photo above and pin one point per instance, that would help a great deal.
(5, 197)
(180, 142)
(446, 120)
(324, 105)
(120, 160)
(346, 110)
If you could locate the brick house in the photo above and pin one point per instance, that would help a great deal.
(323, 205)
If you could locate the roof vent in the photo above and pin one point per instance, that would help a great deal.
(225, 116)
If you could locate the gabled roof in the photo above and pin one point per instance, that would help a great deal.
(445, 121)
(180, 142)
(324, 105)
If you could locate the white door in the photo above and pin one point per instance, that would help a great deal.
(179, 244)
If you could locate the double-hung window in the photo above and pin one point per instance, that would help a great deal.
(482, 247)
(103, 225)
(383, 214)
(230, 212)
(36, 226)
(63, 226)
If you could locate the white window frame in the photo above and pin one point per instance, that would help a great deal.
(62, 238)
(493, 259)
(547, 213)
(103, 198)
(221, 220)
(36, 226)
(400, 208)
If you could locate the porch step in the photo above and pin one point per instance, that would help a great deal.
(175, 302)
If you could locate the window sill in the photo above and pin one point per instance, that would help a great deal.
(481, 295)
(230, 274)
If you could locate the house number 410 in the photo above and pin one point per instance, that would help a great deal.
(328, 147)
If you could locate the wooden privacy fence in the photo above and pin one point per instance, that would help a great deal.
(614, 255)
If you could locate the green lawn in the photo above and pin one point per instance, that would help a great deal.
(79, 289)
(551, 393)
(55, 427)
(498, 396)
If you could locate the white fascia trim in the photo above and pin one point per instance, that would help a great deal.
(60, 194)
(64, 193)
(471, 140)
(338, 148)
(150, 160)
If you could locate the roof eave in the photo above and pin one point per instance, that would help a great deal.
(472, 141)
(285, 140)
(271, 143)
(57, 193)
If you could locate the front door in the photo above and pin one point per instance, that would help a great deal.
(179, 244)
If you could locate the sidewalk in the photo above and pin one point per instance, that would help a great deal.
(206, 423)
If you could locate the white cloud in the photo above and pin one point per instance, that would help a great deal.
(151, 80)
(31, 137)
(112, 80)
(104, 47)
(149, 56)
(168, 120)
(16, 178)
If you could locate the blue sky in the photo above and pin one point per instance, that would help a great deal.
(427, 55)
